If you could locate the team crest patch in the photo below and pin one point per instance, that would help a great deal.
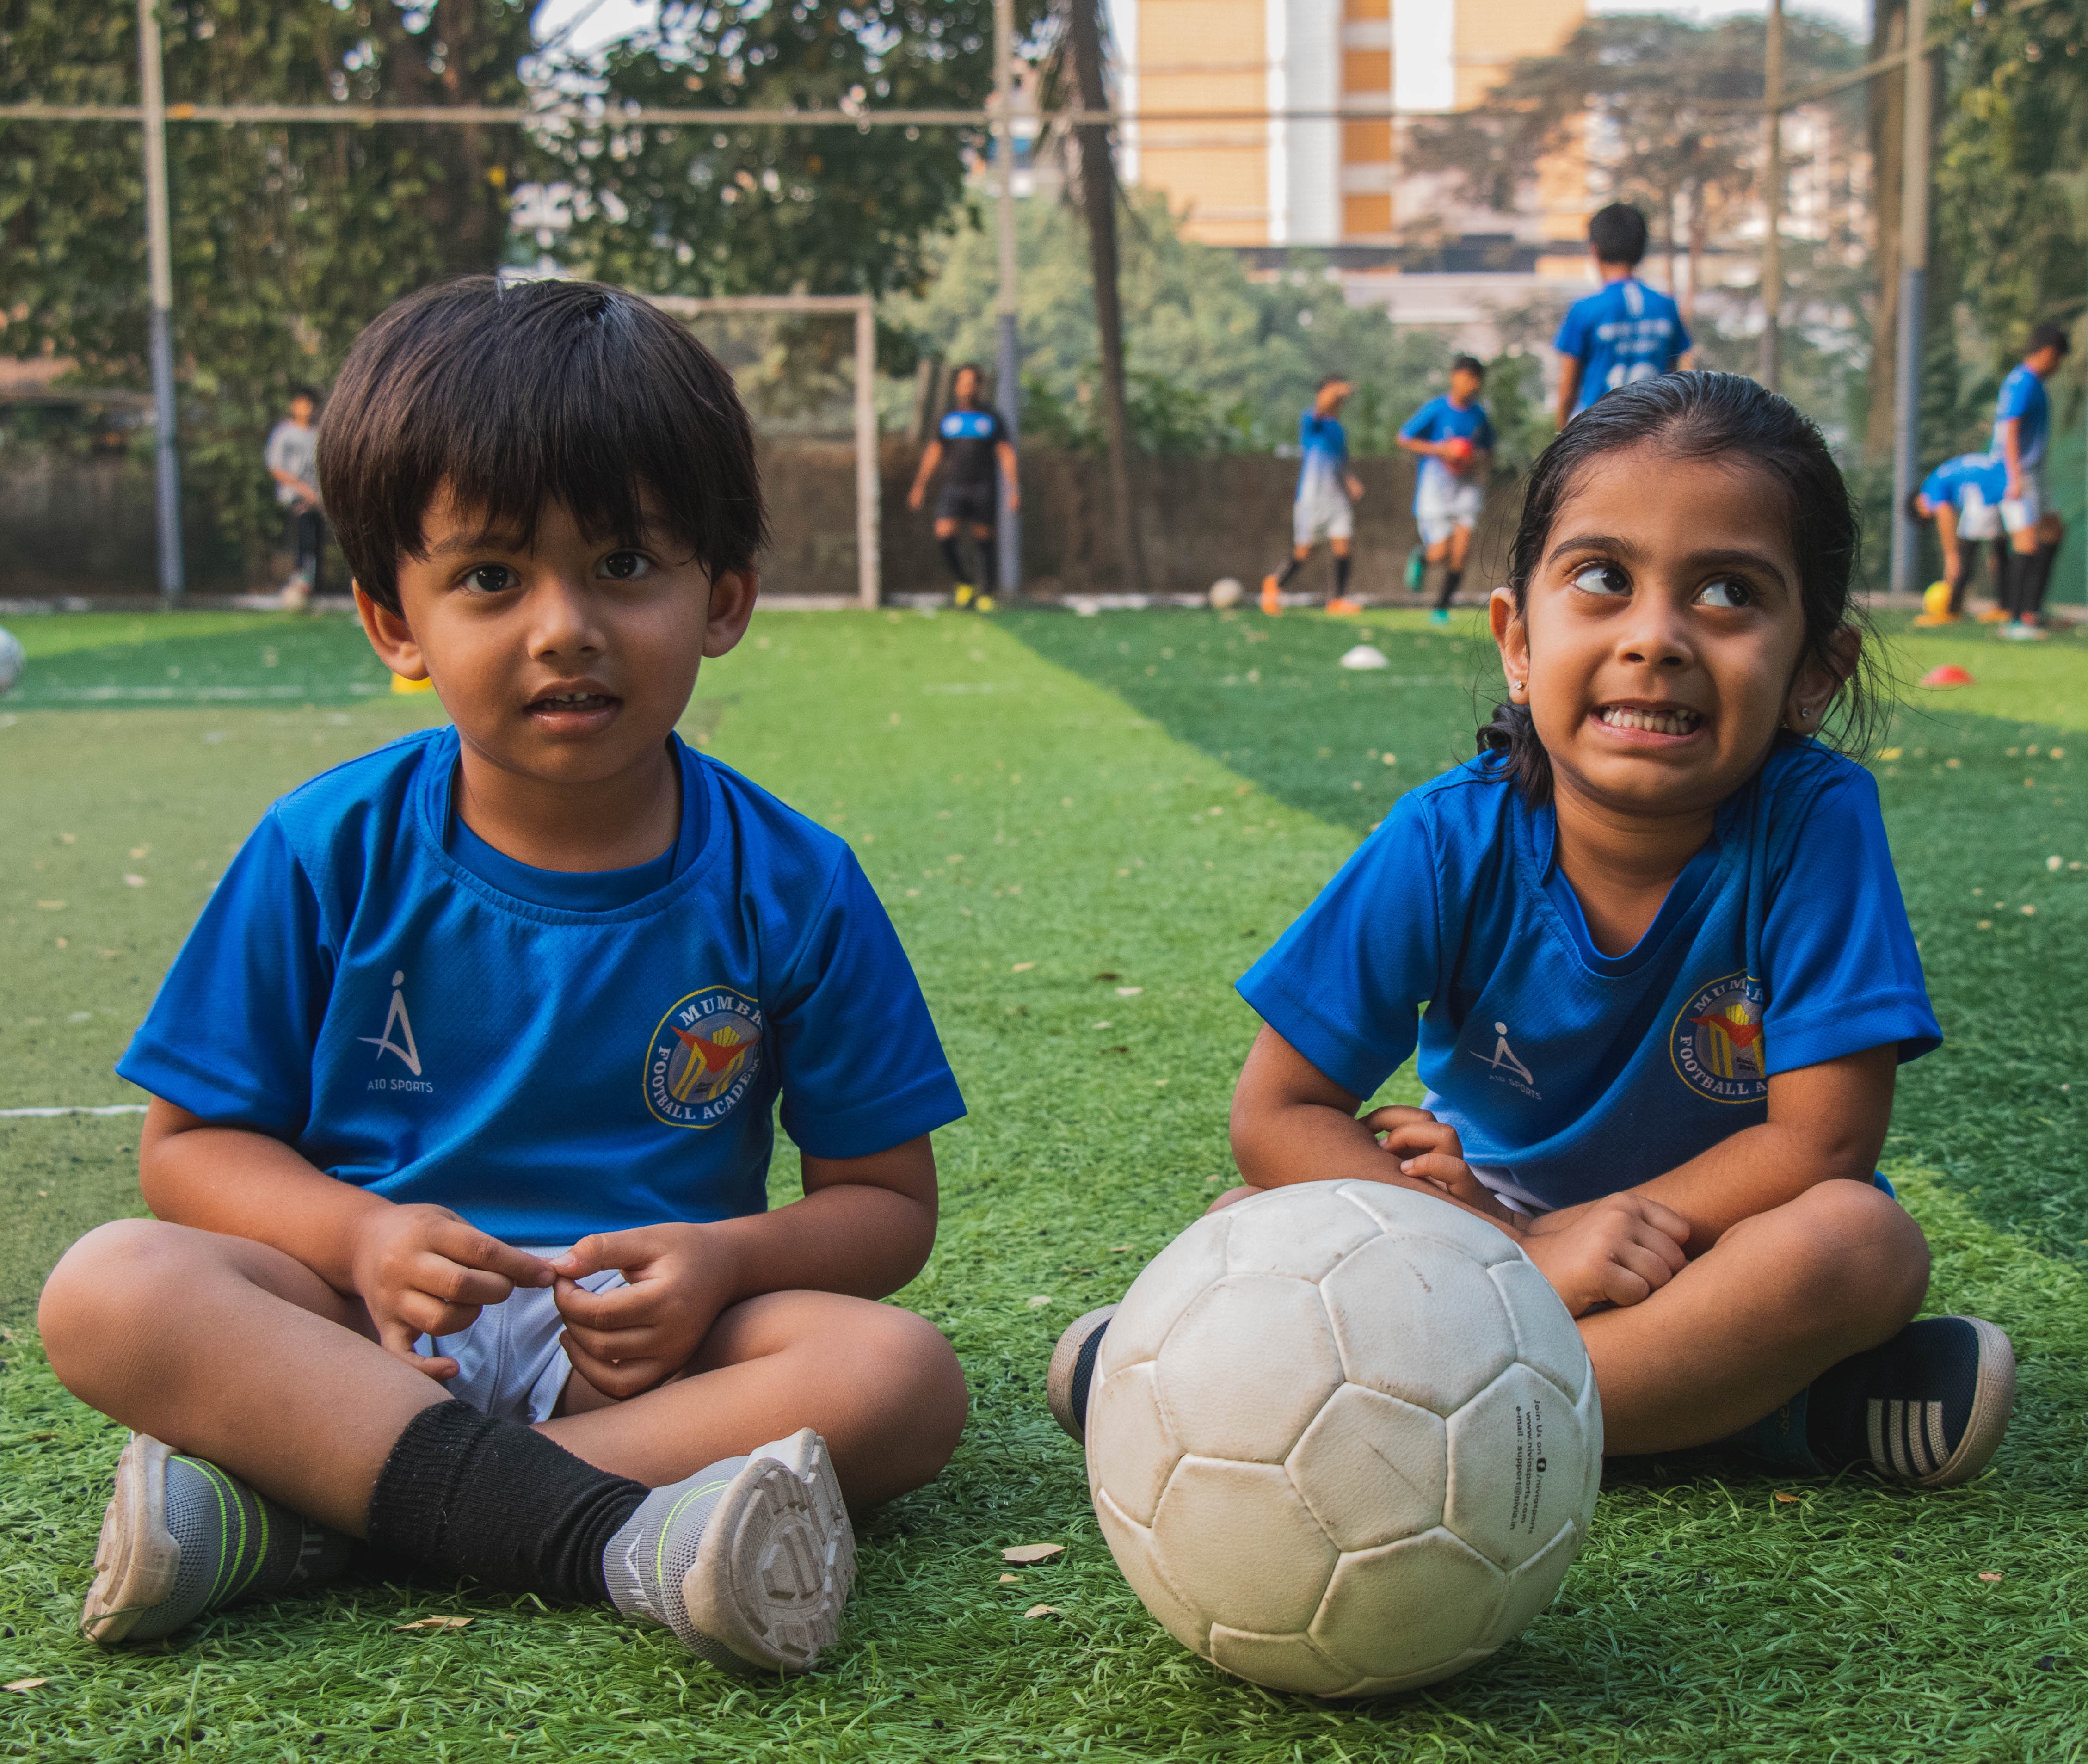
(705, 1056)
(1718, 1043)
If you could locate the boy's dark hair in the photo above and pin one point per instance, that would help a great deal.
(308, 393)
(2049, 336)
(510, 398)
(1618, 233)
(1914, 507)
(1705, 416)
(972, 368)
(1469, 364)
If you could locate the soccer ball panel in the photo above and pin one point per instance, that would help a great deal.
(1532, 1587)
(1280, 1662)
(1588, 1411)
(1247, 1366)
(1429, 1675)
(1517, 1467)
(1371, 1469)
(1162, 1292)
(1132, 1544)
(1411, 1213)
(1130, 1451)
(1241, 1547)
(1545, 1334)
(1419, 1319)
(1409, 1609)
(1309, 1227)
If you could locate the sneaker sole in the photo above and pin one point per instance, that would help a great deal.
(776, 1565)
(1058, 1378)
(1993, 1398)
(136, 1558)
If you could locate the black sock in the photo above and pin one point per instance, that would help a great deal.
(1291, 567)
(1340, 577)
(988, 557)
(954, 558)
(1959, 586)
(2012, 572)
(1451, 579)
(2037, 577)
(500, 1502)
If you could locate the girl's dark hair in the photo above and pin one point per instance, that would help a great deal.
(513, 397)
(1725, 416)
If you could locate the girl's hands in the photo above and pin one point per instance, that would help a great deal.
(1619, 1250)
(639, 1335)
(424, 1270)
(1429, 1150)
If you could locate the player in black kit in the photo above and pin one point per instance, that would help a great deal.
(971, 438)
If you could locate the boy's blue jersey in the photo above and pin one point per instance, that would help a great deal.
(1569, 1074)
(1627, 331)
(354, 990)
(1439, 420)
(1981, 471)
(2023, 398)
(1324, 443)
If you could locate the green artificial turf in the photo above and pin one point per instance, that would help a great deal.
(1081, 855)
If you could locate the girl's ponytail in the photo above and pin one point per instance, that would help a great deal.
(1520, 756)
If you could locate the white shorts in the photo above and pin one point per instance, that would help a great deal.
(1439, 513)
(2019, 514)
(509, 1364)
(1977, 519)
(1326, 516)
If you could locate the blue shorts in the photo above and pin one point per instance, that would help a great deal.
(509, 1363)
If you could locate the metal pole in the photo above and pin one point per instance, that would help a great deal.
(1007, 363)
(159, 243)
(1772, 262)
(869, 559)
(1913, 291)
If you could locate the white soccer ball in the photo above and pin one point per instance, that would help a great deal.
(1225, 592)
(1343, 1438)
(12, 660)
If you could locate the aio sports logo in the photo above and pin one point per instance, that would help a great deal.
(705, 1056)
(1718, 1043)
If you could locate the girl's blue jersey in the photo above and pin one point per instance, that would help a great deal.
(548, 1055)
(1569, 1074)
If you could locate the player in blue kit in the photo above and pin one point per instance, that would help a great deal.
(1628, 331)
(1324, 505)
(462, 1085)
(1963, 497)
(1651, 949)
(2022, 429)
(1455, 438)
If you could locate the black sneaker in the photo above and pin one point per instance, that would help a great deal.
(1929, 1407)
(1073, 1370)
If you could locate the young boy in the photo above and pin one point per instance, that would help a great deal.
(1324, 508)
(1627, 332)
(291, 454)
(972, 441)
(462, 1086)
(2022, 426)
(1963, 497)
(1455, 438)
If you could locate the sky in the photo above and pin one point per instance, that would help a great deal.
(613, 18)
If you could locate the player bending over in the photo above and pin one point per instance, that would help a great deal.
(1455, 438)
(1963, 497)
(1665, 972)
(972, 441)
(2022, 429)
(1324, 505)
(462, 1085)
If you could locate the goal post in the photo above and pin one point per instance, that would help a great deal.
(869, 565)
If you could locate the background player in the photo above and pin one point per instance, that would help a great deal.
(1327, 491)
(1963, 497)
(2022, 426)
(1627, 332)
(973, 440)
(1454, 436)
(291, 454)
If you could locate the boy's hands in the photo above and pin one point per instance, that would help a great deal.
(1429, 1150)
(639, 1335)
(423, 1270)
(1619, 1250)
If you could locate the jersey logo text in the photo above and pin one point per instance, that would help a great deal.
(704, 1057)
(1507, 1066)
(396, 1018)
(1718, 1047)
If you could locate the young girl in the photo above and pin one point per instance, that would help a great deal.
(1662, 969)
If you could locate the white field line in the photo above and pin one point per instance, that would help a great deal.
(45, 1114)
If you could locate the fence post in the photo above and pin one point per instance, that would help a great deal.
(160, 252)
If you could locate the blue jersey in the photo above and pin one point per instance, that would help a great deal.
(1324, 443)
(1981, 473)
(1628, 331)
(2023, 399)
(550, 1054)
(1439, 420)
(1569, 1074)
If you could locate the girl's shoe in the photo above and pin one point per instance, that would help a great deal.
(1272, 595)
(182, 1538)
(1342, 606)
(1073, 1371)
